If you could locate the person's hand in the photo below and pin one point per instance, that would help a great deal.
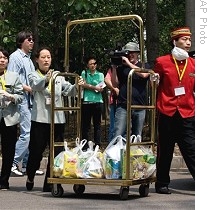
(81, 81)
(125, 60)
(7, 95)
(116, 91)
(48, 75)
(27, 88)
(155, 77)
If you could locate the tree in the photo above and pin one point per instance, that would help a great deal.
(190, 19)
(48, 19)
(152, 29)
(168, 21)
(35, 13)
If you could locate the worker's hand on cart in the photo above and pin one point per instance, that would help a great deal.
(155, 78)
(80, 81)
(6, 95)
(48, 75)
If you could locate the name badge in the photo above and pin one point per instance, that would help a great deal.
(179, 91)
(48, 100)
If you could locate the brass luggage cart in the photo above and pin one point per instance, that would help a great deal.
(79, 184)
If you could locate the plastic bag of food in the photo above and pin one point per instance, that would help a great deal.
(93, 167)
(112, 162)
(142, 160)
(59, 162)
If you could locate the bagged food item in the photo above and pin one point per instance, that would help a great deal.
(70, 165)
(112, 162)
(113, 149)
(58, 165)
(140, 168)
(142, 160)
(113, 169)
(83, 157)
(65, 163)
(59, 162)
(93, 167)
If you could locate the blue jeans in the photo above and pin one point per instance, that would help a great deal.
(137, 122)
(25, 159)
(111, 120)
(22, 144)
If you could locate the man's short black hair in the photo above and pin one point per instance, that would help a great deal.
(21, 36)
(90, 58)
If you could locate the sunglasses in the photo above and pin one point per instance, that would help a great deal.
(30, 39)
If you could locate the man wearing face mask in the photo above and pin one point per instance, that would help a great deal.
(176, 107)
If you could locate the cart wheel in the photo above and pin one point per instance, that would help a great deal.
(144, 190)
(124, 193)
(79, 189)
(57, 191)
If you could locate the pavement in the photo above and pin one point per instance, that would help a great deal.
(99, 197)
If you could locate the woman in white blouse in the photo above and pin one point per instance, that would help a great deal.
(40, 82)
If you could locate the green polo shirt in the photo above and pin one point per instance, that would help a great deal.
(92, 79)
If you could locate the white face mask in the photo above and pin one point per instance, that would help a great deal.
(179, 53)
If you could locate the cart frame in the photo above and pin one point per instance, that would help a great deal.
(79, 184)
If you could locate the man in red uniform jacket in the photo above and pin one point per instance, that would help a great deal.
(176, 107)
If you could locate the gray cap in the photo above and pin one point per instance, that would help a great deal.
(131, 46)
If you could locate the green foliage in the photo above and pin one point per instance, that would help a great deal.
(94, 38)
(169, 20)
(85, 39)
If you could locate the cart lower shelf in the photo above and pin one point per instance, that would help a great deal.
(79, 185)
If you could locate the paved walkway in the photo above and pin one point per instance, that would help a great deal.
(100, 197)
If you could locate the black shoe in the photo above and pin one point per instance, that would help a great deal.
(4, 187)
(162, 190)
(29, 185)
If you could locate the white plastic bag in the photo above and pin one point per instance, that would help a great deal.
(113, 150)
(112, 158)
(93, 167)
(79, 145)
(139, 149)
(84, 156)
(59, 162)
(142, 160)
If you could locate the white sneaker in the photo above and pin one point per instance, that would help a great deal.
(23, 170)
(39, 172)
(15, 170)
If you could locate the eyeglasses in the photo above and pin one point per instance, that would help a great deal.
(30, 39)
(93, 63)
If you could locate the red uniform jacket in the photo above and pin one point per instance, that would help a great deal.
(167, 102)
